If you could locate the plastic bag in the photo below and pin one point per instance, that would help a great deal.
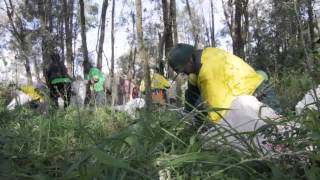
(131, 106)
(246, 114)
(20, 99)
(79, 90)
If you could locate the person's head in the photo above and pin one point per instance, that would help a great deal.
(135, 89)
(94, 79)
(181, 58)
(121, 81)
(156, 70)
(55, 58)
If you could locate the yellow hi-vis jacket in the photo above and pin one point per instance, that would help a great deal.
(222, 77)
(32, 92)
(157, 82)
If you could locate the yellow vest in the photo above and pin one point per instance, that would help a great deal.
(222, 77)
(32, 92)
(157, 82)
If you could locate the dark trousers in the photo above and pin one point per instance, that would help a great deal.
(100, 98)
(62, 90)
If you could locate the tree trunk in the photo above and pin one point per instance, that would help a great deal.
(134, 47)
(102, 33)
(68, 11)
(167, 35)
(168, 27)
(212, 35)
(175, 41)
(28, 69)
(75, 34)
(46, 46)
(160, 51)
(311, 23)
(112, 38)
(164, 38)
(86, 64)
(61, 36)
(114, 90)
(245, 31)
(194, 33)
(174, 21)
(142, 53)
(169, 38)
(238, 45)
(36, 67)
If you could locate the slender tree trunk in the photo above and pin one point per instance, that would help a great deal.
(114, 90)
(168, 27)
(102, 32)
(134, 47)
(194, 33)
(133, 51)
(212, 34)
(68, 11)
(46, 44)
(36, 67)
(86, 64)
(28, 69)
(75, 34)
(245, 31)
(112, 38)
(134, 62)
(142, 53)
(160, 50)
(311, 23)
(61, 36)
(174, 21)
(238, 45)
(167, 35)
(175, 41)
(169, 38)
(164, 38)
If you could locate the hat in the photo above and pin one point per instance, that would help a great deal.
(179, 56)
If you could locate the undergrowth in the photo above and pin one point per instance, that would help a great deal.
(103, 144)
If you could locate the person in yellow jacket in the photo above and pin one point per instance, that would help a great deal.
(216, 77)
(159, 86)
(26, 94)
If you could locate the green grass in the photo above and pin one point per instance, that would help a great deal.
(102, 144)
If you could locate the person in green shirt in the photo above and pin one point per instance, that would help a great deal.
(96, 81)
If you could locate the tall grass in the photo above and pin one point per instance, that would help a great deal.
(102, 144)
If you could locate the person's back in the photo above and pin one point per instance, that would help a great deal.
(221, 76)
(56, 69)
(216, 77)
(59, 82)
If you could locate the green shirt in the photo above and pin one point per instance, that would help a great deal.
(60, 80)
